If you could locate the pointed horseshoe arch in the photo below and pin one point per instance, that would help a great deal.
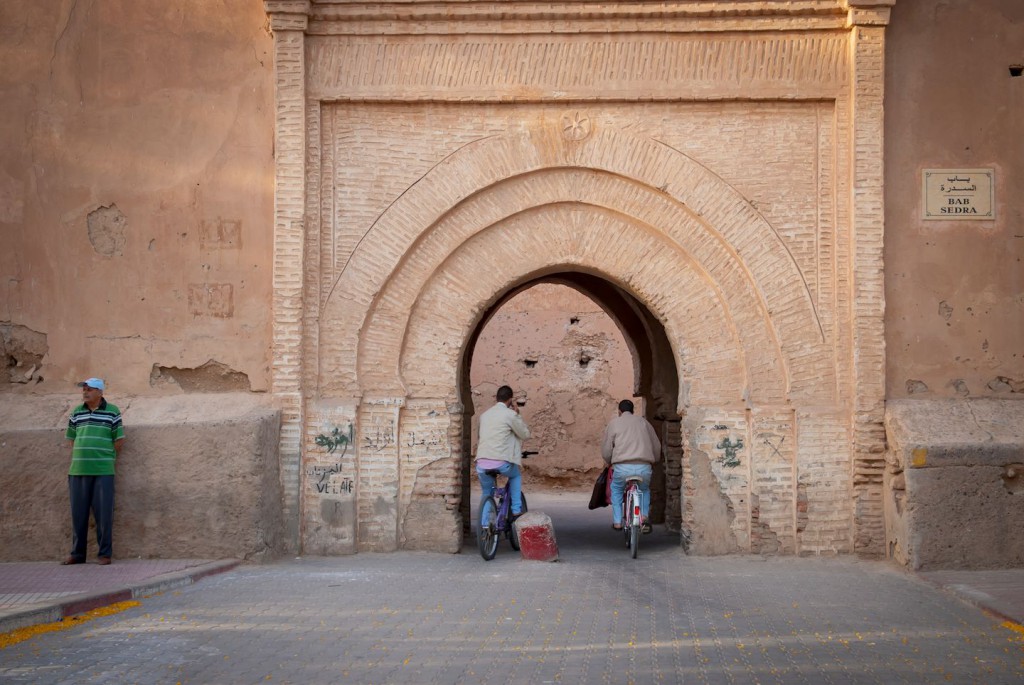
(643, 215)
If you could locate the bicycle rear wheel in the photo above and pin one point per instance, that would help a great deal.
(487, 528)
(625, 518)
(631, 520)
(513, 534)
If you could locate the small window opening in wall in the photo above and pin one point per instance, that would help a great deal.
(1016, 70)
(574, 320)
(530, 363)
(584, 359)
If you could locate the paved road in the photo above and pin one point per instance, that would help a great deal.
(596, 616)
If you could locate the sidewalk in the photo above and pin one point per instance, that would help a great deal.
(41, 592)
(999, 592)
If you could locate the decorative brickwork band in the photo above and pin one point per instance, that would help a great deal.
(868, 287)
(288, 21)
(501, 69)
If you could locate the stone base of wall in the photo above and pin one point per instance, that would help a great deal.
(954, 483)
(198, 478)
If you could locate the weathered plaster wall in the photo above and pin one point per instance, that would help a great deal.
(955, 484)
(196, 478)
(954, 289)
(564, 356)
(136, 194)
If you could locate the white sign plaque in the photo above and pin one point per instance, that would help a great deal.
(959, 194)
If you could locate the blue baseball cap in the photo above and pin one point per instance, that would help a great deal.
(93, 383)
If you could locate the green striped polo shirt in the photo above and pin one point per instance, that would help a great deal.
(94, 432)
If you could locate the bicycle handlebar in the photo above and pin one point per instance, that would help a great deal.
(527, 453)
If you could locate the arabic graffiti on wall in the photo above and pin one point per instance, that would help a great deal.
(325, 472)
(431, 437)
(324, 479)
(336, 439)
(379, 435)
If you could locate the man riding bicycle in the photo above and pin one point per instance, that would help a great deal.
(499, 448)
(631, 446)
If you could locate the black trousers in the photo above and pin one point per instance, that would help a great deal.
(96, 494)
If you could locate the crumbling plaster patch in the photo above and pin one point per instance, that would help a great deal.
(763, 540)
(426, 507)
(21, 351)
(715, 534)
(107, 227)
(210, 377)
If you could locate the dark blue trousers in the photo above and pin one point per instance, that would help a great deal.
(96, 494)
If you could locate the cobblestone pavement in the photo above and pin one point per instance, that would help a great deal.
(596, 616)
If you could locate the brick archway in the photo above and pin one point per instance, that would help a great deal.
(655, 196)
(722, 169)
(744, 331)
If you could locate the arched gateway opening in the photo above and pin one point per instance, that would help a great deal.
(644, 229)
(712, 178)
(655, 380)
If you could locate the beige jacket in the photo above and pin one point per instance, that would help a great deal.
(502, 431)
(630, 439)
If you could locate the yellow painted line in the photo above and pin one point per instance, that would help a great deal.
(1015, 627)
(22, 634)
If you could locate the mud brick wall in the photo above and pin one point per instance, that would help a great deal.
(954, 484)
(195, 479)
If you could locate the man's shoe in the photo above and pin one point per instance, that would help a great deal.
(615, 527)
(71, 561)
(103, 561)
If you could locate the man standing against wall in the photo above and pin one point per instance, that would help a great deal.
(97, 436)
(500, 447)
(632, 447)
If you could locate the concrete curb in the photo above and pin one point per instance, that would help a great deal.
(60, 609)
(976, 598)
(982, 600)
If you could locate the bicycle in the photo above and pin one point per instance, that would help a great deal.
(632, 514)
(495, 517)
